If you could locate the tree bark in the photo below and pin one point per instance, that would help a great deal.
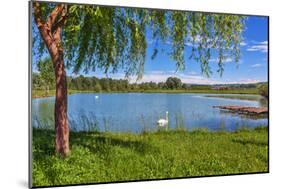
(52, 38)
(61, 120)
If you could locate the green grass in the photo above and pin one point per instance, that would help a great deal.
(240, 97)
(108, 157)
(42, 93)
(213, 91)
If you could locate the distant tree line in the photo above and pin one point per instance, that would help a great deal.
(45, 80)
(82, 83)
(41, 81)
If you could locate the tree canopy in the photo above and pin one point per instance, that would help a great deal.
(173, 83)
(263, 89)
(47, 75)
(112, 38)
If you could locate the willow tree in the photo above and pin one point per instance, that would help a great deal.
(90, 37)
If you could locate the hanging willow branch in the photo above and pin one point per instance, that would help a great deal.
(110, 39)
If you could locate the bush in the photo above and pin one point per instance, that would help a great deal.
(263, 90)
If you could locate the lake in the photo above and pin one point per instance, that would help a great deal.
(135, 112)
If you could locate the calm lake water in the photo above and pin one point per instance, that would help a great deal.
(135, 112)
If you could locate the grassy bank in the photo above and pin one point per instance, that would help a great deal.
(42, 93)
(213, 91)
(107, 157)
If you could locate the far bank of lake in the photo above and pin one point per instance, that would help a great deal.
(44, 93)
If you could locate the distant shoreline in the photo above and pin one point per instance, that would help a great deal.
(42, 93)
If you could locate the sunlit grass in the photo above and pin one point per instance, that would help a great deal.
(108, 157)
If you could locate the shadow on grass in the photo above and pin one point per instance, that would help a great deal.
(42, 151)
(97, 143)
(101, 143)
(251, 142)
(43, 141)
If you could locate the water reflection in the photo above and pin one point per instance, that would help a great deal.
(246, 116)
(263, 102)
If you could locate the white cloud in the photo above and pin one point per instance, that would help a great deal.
(151, 41)
(243, 43)
(168, 42)
(259, 47)
(225, 61)
(264, 42)
(161, 76)
(192, 73)
(256, 65)
(189, 77)
(245, 81)
(198, 39)
(156, 72)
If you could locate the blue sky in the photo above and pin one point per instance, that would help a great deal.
(253, 66)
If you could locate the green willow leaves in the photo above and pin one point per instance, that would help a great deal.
(109, 39)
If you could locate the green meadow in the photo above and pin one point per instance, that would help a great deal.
(109, 157)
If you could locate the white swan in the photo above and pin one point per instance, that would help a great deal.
(163, 122)
(96, 97)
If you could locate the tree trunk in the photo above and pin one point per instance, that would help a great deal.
(47, 90)
(51, 35)
(61, 120)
